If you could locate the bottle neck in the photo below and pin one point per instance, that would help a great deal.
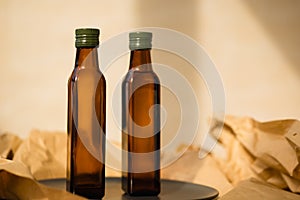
(140, 59)
(87, 57)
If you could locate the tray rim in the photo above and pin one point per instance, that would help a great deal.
(112, 178)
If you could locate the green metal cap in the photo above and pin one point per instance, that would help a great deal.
(140, 40)
(87, 37)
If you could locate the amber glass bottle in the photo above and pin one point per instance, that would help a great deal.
(86, 119)
(141, 121)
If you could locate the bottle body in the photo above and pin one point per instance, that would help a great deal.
(141, 127)
(86, 126)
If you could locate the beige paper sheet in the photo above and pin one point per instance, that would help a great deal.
(254, 189)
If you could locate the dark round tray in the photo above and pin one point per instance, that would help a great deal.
(170, 189)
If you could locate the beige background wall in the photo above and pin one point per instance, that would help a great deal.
(254, 44)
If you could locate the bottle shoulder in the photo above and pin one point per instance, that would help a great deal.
(141, 76)
(81, 71)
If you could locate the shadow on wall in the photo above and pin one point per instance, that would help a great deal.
(173, 14)
(281, 19)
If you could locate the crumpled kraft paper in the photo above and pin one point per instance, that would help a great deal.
(16, 182)
(44, 153)
(190, 168)
(236, 161)
(267, 151)
(248, 146)
(9, 144)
